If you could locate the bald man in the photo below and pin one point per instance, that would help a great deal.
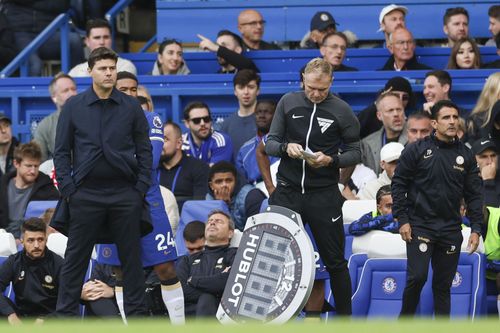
(251, 27)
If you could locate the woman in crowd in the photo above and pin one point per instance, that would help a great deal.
(484, 120)
(464, 55)
(170, 59)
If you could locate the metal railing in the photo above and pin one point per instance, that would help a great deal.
(113, 13)
(21, 61)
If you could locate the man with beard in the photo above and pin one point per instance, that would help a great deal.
(34, 273)
(24, 184)
(228, 48)
(246, 161)
(201, 141)
(241, 125)
(391, 113)
(184, 175)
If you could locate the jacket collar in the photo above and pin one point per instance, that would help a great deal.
(91, 97)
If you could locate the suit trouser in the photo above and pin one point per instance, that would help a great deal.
(443, 252)
(322, 210)
(119, 211)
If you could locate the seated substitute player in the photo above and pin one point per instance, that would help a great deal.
(380, 219)
(158, 247)
(34, 273)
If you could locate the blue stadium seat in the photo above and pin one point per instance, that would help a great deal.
(356, 263)
(37, 208)
(468, 290)
(9, 291)
(195, 210)
(380, 290)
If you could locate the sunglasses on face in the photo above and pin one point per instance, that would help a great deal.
(198, 120)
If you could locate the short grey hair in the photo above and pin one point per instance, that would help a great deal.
(319, 66)
(220, 211)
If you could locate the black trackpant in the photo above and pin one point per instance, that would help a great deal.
(322, 210)
(120, 209)
(443, 252)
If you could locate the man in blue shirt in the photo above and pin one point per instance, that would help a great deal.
(202, 142)
(246, 161)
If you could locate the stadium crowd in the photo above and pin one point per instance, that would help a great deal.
(72, 159)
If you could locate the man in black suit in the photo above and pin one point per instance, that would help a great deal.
(103, 161)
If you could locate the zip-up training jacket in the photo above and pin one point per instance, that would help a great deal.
(326, 127)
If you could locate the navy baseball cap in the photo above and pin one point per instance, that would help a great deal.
(5, 118)
(322, 20)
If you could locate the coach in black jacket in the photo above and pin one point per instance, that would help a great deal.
(103, 161)
(204, 274)
(432, 176)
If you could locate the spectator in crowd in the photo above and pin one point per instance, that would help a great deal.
(368, 117)
(201, 141)
(194, 236)
(380, 219)
(418, 126)
(184, 175)
(246, 161)
(322, 24)
(8, 50)
(437, 87)
(34, 274)
(28, 18)
(170, 59)
(99, 35)
(333, 49)
(484, 120)
(391, 113)
(61, 88)
(391, 17)
(22, 185)
(455, 25)
(486, 154)
(495, 63)
(241, 201)
(389, 156)
(228, 48)
(251, 27)
(241, 124)
(204, 274)
(464, 55)
(430, 216)
(402, 48)
(7, 145)
(494, 24)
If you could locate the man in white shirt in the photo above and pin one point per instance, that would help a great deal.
(98, 35)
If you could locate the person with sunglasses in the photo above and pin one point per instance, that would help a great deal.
(201, 141)
(251, 27)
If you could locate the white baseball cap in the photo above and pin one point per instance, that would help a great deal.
(387, 9)
(391, 152)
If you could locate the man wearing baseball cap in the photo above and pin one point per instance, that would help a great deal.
(7, 145)
(322, 23)
(485, 151)
(389, 156)
(390, 18)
